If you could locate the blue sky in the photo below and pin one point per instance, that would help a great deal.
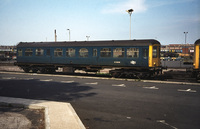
(36, 20)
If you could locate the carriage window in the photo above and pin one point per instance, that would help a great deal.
(19, 52)
(70, 52)
(28, 52)
(58, 52)
(95, 52)
(105, 52)
(118, 52)
(133, 52)
(83, 52)
(48, 52)
(155, 54)
(39, 52)
(145, 52)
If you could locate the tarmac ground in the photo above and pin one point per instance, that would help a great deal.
(21, 118)
(171, 74)
(24, 118)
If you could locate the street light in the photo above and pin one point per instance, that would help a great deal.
(55, 35)
(87, 38)
(185, 40)
(69, 33)
(130, 11)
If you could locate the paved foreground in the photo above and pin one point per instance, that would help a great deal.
(103, 103)
(57, 115)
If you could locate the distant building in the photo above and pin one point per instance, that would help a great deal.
(8, 51)
(181, 49)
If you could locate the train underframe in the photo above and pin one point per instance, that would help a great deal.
(196, 74)
(130, 72)
(136, 72)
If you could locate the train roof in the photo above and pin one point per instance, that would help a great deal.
(90, 43)
(197, 42)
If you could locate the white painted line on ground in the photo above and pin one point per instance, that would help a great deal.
(24, 78)
(188, 90)
(67, 81)
(28, 78)
(48, 80)
(92, 83)
(153, 88)
(120, 85)
(163, 122)
(7, 78)
(128, 117)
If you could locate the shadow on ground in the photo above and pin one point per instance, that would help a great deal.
(36, 89)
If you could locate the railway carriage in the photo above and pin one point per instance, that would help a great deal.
(196, 64)
(127, 57)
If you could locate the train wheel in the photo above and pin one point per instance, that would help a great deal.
(198, 77)
(50, 70)
(115, 74)
(26, 70)
(43, 70)
(34, 70)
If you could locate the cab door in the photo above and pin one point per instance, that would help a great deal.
(196, 57)
(154, 55)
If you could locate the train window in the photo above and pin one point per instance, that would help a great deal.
(83, 52)
(39, 52)
(70, 52)
(155, 54)
(145, 52)
(118, 52)
(58, 52)
(105, 52)
(48, 52)
(28, 52)
(133, 52)
(95, 52)
(19, 52)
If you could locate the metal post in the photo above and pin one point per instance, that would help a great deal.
(185, 40)
(55, 35)
(130, 26)
(130, 11)
(87, 38)
(69, 33)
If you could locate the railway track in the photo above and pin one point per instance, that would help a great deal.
(178, 75)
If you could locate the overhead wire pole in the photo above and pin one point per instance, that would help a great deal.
(130, 11)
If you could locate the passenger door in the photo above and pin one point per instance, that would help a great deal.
(95, 56)
(145, 55)
(49, 55)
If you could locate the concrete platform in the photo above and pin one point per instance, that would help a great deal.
(58, 115)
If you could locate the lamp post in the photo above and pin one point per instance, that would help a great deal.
(69, 33)
(185, 40)
(55, 35)
(130, 11)
(87, 38)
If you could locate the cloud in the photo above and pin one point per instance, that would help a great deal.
(158, 3)
(120, 7)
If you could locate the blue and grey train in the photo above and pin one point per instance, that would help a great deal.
(129, 57)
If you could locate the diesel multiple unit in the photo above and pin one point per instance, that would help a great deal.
(130, 57)
(196, 63)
